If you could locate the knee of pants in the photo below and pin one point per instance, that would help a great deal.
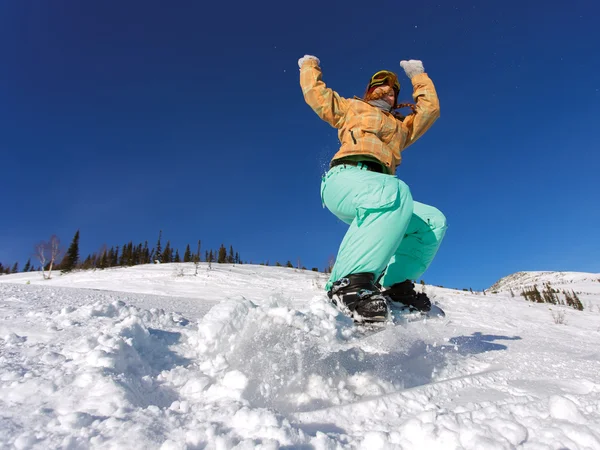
(439, 225)
(439, 219)
(431, 215)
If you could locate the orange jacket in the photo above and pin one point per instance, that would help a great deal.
(366, 130)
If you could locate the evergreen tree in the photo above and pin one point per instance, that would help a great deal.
(568, 299)
(123, 256)
(230, 258)
(113, 254)
(130, 256)
(187, 256)
(87, 263)
(177, 258)
(158, 252)
(206, 256)
(71, 258)
(145, 254)
(538, 294)
(27, 267)
(110, 257)
(167, 253)
(1, 269)
(237, 258)
(289, 264)
(103, 260)
(577, 303)
(139, 255)
(15, 268)
(222, 257)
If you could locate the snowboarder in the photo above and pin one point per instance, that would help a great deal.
(391, 239)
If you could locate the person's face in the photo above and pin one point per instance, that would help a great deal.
(389, 96)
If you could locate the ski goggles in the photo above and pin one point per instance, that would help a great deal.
(385, 77)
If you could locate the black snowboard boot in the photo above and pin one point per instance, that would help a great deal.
(405, 293)
(359, 294)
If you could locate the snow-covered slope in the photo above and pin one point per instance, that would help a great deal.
(586, 285)
(251, 356)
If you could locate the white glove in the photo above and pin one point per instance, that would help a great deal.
(412, 67)
(306, 58)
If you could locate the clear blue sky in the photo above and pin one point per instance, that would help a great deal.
(124, 118)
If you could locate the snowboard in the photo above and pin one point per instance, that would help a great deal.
(399, 314)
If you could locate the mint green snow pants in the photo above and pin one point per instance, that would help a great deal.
(390, 235)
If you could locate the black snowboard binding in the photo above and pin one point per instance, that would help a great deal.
(361, 297)
(405, 293)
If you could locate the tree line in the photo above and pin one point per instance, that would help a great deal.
(550, 295)
(52, 256)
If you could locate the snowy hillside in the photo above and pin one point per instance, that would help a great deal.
(255, 357)
(586, 285)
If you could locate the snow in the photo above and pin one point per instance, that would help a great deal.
(255, 357)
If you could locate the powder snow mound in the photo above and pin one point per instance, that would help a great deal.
(278, 357)
(251, 356)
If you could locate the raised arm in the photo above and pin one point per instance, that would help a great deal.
(327, 103)
(426, 99)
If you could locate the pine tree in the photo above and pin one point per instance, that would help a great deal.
(15, 268)
(537, 295)
(1, 269)
(289, 264)
(103, 261)
(113, 256)
(177, 258)
(230, 259)
(137, 255)
(237, 258)
(146, 254)
(71, 258)
(158, 252)
(167, 253)
(577, 303)
(87, 263)
(187, 256)
(568, 299)
(222, 257)
(27, 267)
(123, 256)
(110, 257)
(130, 254)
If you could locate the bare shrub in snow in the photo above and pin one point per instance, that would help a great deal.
(178, 271)
(317, 282)
(47, 253)
(560, 317)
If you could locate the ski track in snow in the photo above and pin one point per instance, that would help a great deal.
(250, 356)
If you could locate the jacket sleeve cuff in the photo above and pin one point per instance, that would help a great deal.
(310, 63)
